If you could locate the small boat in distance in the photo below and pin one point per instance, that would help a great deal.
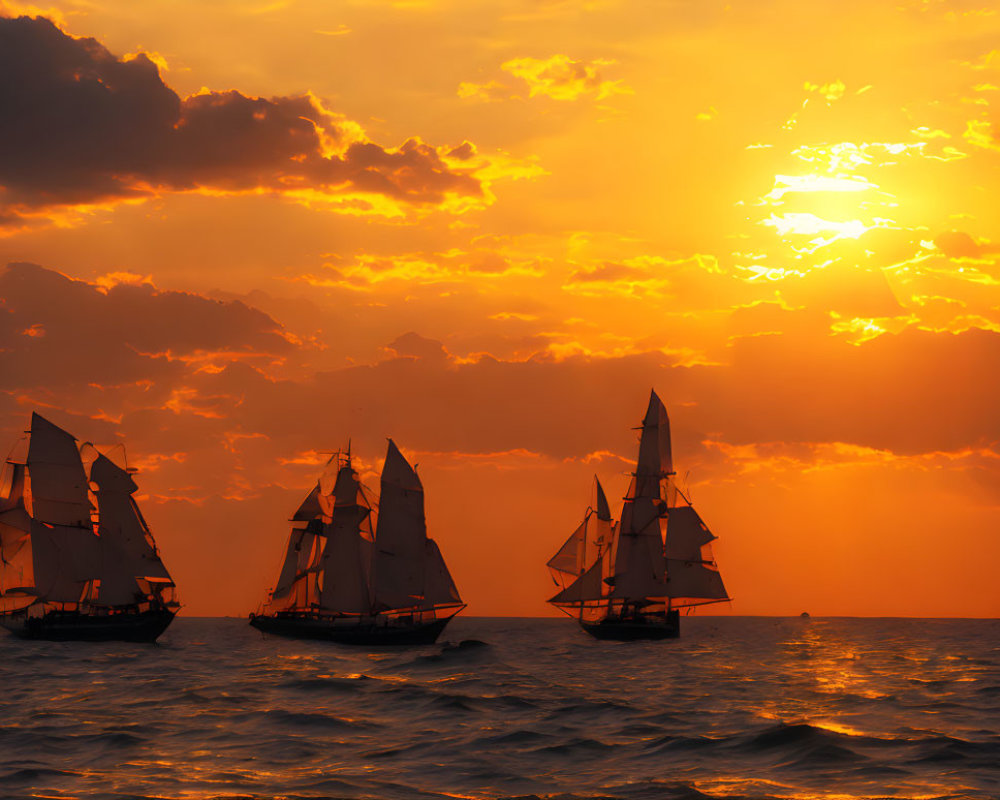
(628, 580)
(341, 582)
(77, 560)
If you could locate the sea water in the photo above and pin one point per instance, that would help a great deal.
(499, 708)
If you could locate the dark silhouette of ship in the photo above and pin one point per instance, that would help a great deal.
(629, 579)
(346, 580)
(77, 560)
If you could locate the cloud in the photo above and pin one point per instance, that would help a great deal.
(413, 345)
(608, 272)
(958, 244)
(57, 333)
(563, 78)
(81, 126)
(558, 77)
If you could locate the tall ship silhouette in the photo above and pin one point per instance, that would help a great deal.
(77, 560)
(347, 580)
(629, 579)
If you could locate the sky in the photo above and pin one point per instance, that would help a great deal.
(240, 235)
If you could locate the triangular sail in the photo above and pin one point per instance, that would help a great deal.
(439, 588)
(289, 567)
(400, 536)
(655, 459)
(310, 508)
(569, 559)
(587, 587)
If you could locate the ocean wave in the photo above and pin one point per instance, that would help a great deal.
(731, 710)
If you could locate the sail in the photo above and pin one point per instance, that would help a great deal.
(401, 534)
(289, 567)
(126, 546)
(568, 560)
(439, 588)
(601, 502)
(65, 559)
(58, 481)
(600, 528)
(639, 565)
(310, 508)
(696, 581)
(346, 557)
(638, 576)
(16, 561)
(686, 535)
(11, 485)
(587, 587)
(656, 552)
(655, 459)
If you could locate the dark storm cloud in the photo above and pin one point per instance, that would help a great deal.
(79, 125)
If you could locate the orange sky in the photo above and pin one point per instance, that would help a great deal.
(242, 233)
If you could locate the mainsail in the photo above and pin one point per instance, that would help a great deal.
(57, 546)
(659, 551)
(341, 564)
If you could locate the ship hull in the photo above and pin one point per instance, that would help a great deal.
(64, 626)
(367, 635)
(636, 628)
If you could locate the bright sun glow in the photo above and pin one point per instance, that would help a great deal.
(804, 224)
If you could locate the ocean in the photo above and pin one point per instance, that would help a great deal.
(749, 707)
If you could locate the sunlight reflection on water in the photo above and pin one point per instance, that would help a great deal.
(750, 708)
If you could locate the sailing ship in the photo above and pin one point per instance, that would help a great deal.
(346, 580)
(629, 579)
(77, 559)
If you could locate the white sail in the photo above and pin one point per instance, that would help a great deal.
(400, 536)
(58, 483)
(346, 557)
(439, 588)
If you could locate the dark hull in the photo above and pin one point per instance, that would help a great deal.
(360, 634)
(635, 628)
(65, 626)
